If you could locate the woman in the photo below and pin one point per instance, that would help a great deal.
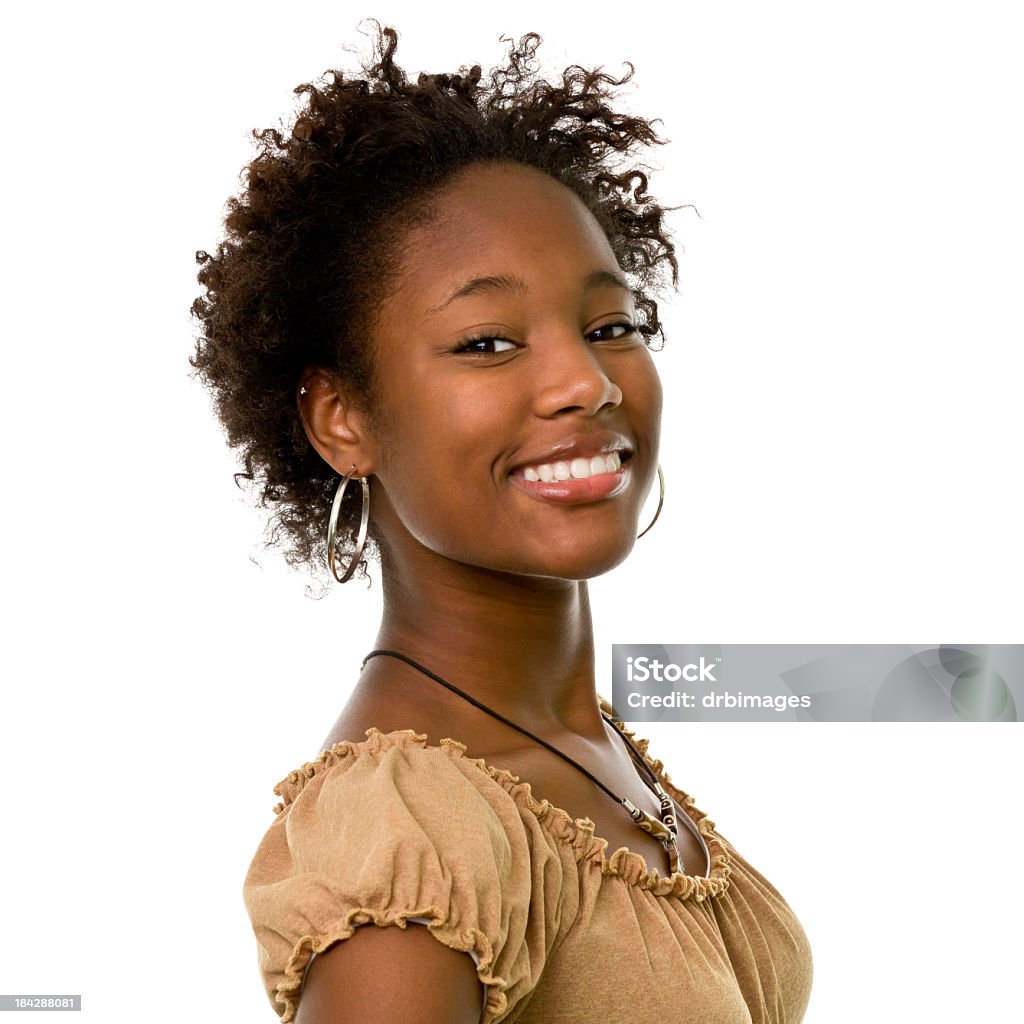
(429, 322)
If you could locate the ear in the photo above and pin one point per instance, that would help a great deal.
(335, 426)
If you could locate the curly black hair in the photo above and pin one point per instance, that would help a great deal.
(313, 239)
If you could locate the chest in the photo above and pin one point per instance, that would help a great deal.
(737, 956)
(567, 788)
(639, 959)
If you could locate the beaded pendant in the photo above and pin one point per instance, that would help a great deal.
(665, 829)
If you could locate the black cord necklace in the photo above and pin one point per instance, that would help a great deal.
(664, 828)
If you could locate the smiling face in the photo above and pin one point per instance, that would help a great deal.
(517, 407)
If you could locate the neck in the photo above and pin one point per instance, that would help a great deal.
(522, 646)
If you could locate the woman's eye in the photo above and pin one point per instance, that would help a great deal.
(485, 346)
(612, 332)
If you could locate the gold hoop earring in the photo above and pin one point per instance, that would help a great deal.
(661, 501)
(332, 527)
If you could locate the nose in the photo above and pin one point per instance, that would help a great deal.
(571, 378)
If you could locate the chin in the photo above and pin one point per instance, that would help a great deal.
(577, 561)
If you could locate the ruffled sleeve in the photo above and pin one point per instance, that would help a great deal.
(390, 830)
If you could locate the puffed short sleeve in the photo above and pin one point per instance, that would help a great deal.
(381, 832)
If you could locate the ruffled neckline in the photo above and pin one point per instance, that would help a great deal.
(576, 833)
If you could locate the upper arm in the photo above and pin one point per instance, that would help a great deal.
(391, 976)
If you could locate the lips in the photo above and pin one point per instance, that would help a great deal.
(577, 470)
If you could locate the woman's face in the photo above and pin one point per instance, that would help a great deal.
(506, 360)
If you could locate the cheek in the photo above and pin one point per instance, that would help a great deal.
(446, 428)
(437, 457)
(655, 399)
(643, 395)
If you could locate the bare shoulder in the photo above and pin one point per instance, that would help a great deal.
(381, 975)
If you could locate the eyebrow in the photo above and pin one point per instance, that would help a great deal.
(516, 285)
(605, 279)
(481, 285)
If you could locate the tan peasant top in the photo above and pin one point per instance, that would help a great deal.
(393, 829)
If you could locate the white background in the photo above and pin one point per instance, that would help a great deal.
(842, 450)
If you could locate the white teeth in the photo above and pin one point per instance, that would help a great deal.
(577, 469)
